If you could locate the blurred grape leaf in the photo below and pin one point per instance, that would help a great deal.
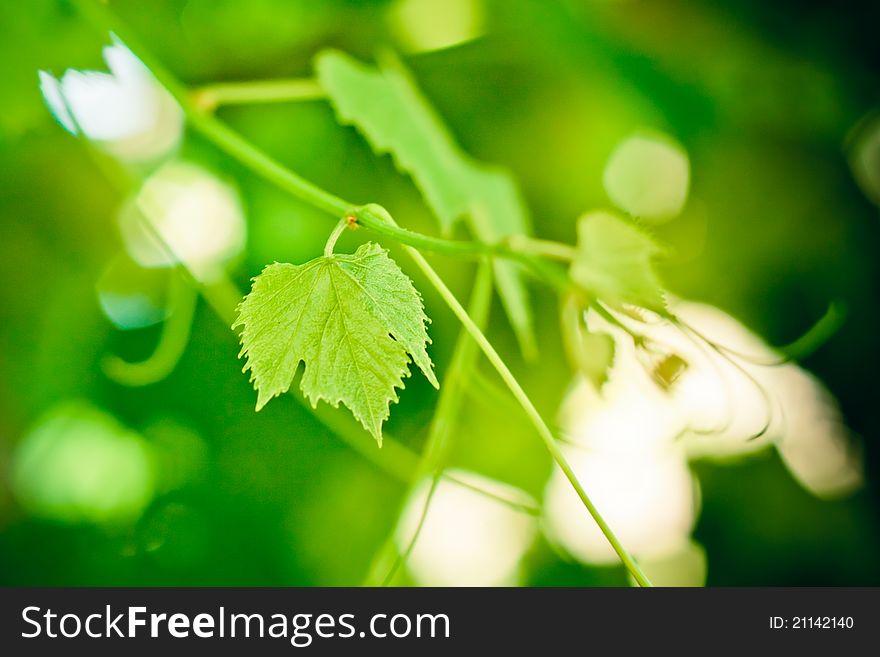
(615, 262)
(387, 107)
(351, 318)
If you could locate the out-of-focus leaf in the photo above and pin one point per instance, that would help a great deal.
(352, 319)
(387, 107)
(590, 354)
(615, 262)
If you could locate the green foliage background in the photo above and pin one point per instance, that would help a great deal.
(761, 97)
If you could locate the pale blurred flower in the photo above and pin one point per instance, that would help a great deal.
(815, 445)
(648, 499)
(731, 399)
(686, 566)
(183, 213)
(713, 390)
(125, 111)
(468, 539)
(711, 394)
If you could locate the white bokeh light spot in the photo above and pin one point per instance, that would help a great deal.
(197, 216)
(647, 175)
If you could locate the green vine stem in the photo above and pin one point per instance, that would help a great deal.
(546, 248)
(535, 417)
(239, 148)
(172, 341)
(334, 236)
(249, 155)
(209, 97)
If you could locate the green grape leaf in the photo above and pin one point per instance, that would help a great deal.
(386, 106)
(350, 318)
(615, 262)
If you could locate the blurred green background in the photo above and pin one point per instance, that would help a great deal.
(768, 100)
